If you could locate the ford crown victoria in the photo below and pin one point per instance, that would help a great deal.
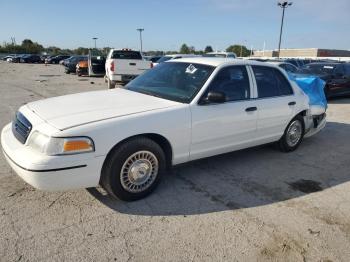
(181, 110)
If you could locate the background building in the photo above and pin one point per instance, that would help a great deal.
(304, 52)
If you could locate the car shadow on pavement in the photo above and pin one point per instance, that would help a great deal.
(247, 178)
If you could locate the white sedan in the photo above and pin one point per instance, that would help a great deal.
(181, 110)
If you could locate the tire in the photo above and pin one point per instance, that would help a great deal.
(110, 84)
(293, 135)
(147, 159)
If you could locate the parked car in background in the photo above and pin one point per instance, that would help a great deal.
(182, 110)
(173, 56)
(296, 62)
(82, 68)
(71, 63)
(43, 57)
(96, 65)
(153, 59)
(221, 54)
(16, 58)
(123, 65)
(56, 59)
(336, 75)
(7, 57)
(30, 59)
(290, 68)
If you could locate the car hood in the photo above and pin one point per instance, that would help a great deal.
(78, 109)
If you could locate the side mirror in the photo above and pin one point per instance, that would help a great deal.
(214, 97)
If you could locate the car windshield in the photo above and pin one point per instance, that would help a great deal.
(164, 58)
(318, 69)
(174, 81)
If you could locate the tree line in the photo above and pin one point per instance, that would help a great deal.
(239, 50)
(29, 47)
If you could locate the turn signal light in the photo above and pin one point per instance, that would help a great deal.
(76, 145)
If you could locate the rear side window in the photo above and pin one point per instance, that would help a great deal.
(126, 55)
(270, 82)
(233, 81)
(347, 69)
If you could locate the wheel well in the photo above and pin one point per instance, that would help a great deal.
(159, 139)
(302, 113)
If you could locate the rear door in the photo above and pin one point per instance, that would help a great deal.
(275, 103)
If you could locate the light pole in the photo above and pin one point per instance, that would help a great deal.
(95, 38)
(283, 5)
(244, 42)
(140, 30)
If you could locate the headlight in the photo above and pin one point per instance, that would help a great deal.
(54, 146)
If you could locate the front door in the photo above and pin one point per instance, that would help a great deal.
(228, 126)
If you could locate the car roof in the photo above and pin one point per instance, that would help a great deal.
(183, 55)
(218, 61)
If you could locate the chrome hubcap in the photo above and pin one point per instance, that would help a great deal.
(294, 133)
(139, 171)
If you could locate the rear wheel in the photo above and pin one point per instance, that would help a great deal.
(133, 169)
(293, 135)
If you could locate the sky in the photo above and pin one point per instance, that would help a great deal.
(169, 24)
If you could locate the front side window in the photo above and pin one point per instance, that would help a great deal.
(233, 81)
(270, 82)
(174, 81)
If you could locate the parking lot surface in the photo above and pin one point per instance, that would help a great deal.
(252, 205)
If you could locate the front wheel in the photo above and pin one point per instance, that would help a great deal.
(293, 135)
(133, 169)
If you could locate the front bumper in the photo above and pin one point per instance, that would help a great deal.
(50, 172)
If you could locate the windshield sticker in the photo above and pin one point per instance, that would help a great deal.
(328, 67)
(191, 69)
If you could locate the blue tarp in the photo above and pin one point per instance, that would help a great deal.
(313, 87)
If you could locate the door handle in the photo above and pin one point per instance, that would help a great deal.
(292, 103)
(251, 109)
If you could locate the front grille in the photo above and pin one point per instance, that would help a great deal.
(21, 127)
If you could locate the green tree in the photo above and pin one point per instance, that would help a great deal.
(31, 47)
(239, 50)
(53, 50)
(81, 51)
(185, 49)
(208, 49)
